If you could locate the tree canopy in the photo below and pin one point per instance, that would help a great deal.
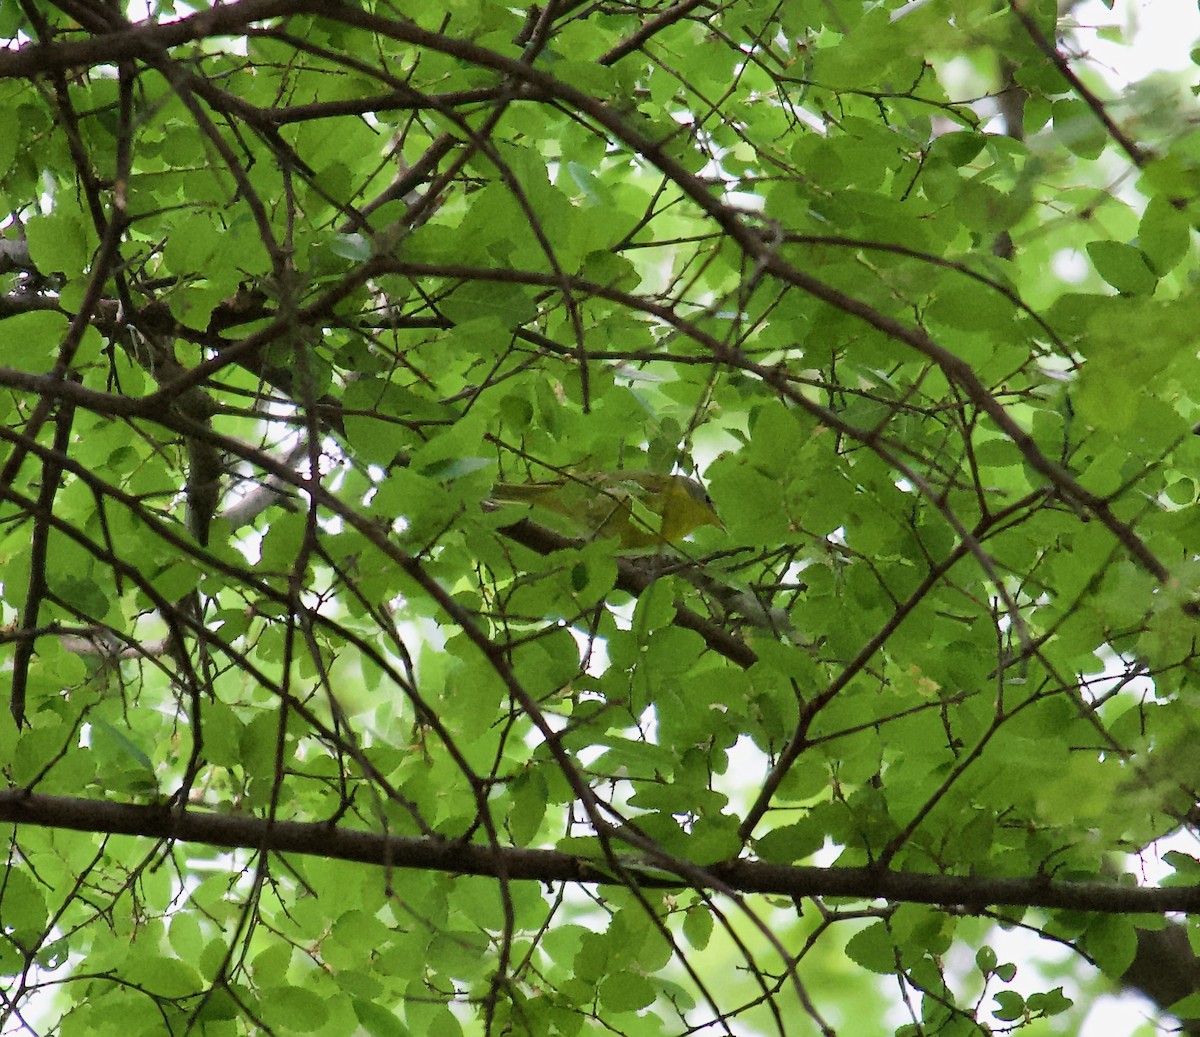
(312, 730)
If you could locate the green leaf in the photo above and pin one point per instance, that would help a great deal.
(1185, 868)
(33, 339)
(377, 1020)
(437, 1021)
(351, 246)
(1186, 1007)
(294, 1009)
(626, 992)
(790, 844)
(1010, 1006)
(120, 754)
(873, 949)
(24, 905)
(58, 242)
(958, 147)
(1077, 127)
(1125, 267)
(1164, 235)
(167, 977)
(1112, 941)
(1052, 1002)
(698, 926)
(530, 800)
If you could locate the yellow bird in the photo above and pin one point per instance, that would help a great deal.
(640, 509)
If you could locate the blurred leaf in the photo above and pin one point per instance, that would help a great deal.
(1125, 267)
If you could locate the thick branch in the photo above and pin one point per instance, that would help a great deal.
(514, 863)
(145, 37)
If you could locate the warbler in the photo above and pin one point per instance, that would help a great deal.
(640, 509)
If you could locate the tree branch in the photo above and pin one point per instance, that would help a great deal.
(337, 843)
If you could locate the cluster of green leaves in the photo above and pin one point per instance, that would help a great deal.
(381, 261)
